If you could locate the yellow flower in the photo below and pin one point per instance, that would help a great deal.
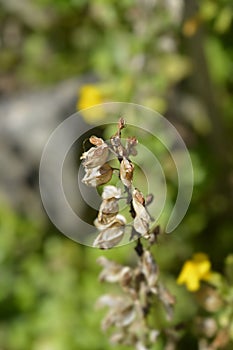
(89, 96)
(194, 271)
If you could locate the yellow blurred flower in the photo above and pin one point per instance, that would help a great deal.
(89, 96)
(195, 270)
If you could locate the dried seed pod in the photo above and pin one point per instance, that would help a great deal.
(98, 176)
(112, 235)
(126, 172)
(95, 156)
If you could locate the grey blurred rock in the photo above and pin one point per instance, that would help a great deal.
(26, 122)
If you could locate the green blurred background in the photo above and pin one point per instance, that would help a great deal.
(173, 56)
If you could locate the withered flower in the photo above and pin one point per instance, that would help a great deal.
(142, 219)
(126, 172)
(112, 234)
(108, 211)
(95, 156)
(109, 208)
(98, 176)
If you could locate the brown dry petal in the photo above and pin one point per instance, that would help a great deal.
(111, 192)
(95, 156)
(150, 269)
(98, 176)
(112, 235)
(126, 172)
(142, 219)
(108, 211)
(97, 141)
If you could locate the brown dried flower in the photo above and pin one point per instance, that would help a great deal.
(98, 176)
(110, 234)
(126, 172)
(142, 219)
(95, 156)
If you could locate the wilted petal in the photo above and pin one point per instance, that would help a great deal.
(142, 219)
(111, 235)
(141, 225)
(111, 192)
(95, 156)
(108, 211)
(126, 172)
(98, 176)
(97, 141)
